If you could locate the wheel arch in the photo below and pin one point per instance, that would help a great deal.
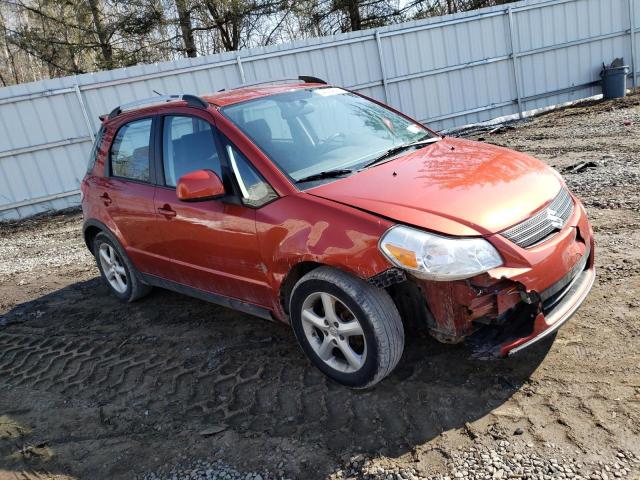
(299, 270)
(92, 227)
(295, 273)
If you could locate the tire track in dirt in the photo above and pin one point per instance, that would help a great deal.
(266, 388)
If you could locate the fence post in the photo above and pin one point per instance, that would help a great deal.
(514, 60)
(632, 30)
(382, 68)
(240, 69)
(85, 112)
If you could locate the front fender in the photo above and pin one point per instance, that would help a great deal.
(303, 228)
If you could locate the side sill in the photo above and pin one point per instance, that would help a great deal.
(232, 303)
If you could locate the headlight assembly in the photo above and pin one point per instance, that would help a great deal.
(433, 257)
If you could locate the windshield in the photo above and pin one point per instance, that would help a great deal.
(306, 132)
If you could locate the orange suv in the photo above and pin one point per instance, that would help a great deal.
(319, 207)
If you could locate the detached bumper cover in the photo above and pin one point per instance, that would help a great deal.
(529, 322)
(562, 309)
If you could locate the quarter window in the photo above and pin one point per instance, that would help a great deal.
(254, 189)
(188, 144)
(130, 150)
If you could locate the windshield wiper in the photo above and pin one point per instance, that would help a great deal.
(326, 174)
(400, 148)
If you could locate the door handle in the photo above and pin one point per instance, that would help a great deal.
(167, 211)
(106, 199)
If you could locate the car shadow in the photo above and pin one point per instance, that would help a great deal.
(189, 364)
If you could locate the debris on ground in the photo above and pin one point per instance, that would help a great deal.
(579, 167)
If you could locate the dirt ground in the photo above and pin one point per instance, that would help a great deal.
(92, 388)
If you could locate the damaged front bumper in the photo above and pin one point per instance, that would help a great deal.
(499, 313)
(559, 303)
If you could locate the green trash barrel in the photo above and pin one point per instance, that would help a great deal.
(614, 81)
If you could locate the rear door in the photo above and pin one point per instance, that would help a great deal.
(209, 245)
(128, 189)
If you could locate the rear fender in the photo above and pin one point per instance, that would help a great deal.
(110, 229)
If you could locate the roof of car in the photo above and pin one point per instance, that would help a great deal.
(242, 94)
(218, 99)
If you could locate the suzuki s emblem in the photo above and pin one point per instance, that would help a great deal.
(553, 218)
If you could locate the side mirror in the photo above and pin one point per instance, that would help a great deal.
(199, 185)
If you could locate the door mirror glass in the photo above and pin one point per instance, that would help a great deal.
(199, 185)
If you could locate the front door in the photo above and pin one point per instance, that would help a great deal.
(209, 245)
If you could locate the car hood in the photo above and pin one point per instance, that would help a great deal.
(454, 186)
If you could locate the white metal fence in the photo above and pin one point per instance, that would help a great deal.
(446, 71)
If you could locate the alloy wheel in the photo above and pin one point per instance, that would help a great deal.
(112, 267)
(334, 332)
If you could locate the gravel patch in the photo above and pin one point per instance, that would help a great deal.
(28, 249)
(217, 470)
(502, 461)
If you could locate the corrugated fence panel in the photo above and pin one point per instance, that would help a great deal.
(447, 71)
(573, 35)
(443, 72)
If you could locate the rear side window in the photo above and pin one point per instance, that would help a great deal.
(93, 156)
(130, 150)
(188, 144)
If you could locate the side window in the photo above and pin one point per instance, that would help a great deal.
(94, 150)
(254, 189)
(130, 150)
(188, 144)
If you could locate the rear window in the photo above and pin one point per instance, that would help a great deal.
(130, 150)
(93, 156)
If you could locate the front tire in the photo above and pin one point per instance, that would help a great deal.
(349, 329)
(117, 271)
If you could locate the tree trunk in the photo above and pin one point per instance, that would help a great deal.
(354, 15)
(103, 36)
(186, 27)
(8, 53)
(230, 41)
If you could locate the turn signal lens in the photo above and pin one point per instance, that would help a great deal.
(402, 255)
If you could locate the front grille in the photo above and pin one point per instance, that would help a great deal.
(544, 224)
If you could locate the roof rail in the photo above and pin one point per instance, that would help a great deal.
(192, 101)
(303, 78)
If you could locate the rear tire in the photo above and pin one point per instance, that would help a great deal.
(117, 270)
(349, 329)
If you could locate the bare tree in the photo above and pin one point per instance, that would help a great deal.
(186, 28)
(102, 34)
(48, 38)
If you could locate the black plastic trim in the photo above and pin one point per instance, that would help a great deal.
(195, 101)
(387, 278)
(311, 79)
(228, 302)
